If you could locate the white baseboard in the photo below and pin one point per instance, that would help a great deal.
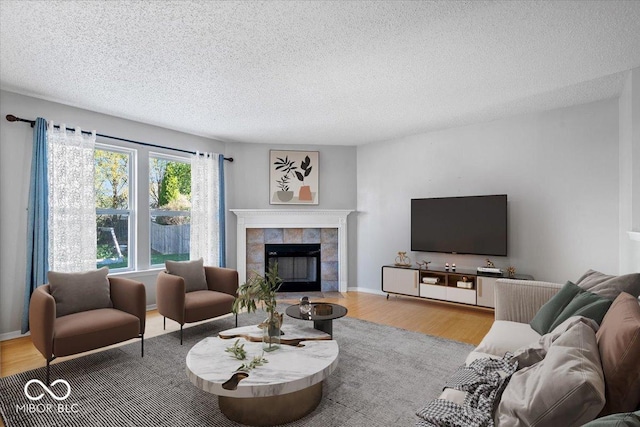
(12, 335)
(16, 334)
(366, 290)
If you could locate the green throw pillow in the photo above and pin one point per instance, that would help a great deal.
(548, 313)
(585, 304)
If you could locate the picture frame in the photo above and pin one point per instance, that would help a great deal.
(293, 177)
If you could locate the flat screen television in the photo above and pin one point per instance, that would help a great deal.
(465, 225)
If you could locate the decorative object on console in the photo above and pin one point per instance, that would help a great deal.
(446, 266)
(402, 259)
(453, 267)
(430, 280)
(424, 265)
(488, 263)
(291, 173)
(492, 270)
(465, 283)
(511, 271)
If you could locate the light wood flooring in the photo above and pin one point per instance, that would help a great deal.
(455, 322)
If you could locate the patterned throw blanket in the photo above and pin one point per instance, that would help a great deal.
(483, 381)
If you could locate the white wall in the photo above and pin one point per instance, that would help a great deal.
(16, 141)
(559, 169)
(248, 188)
(629, 106)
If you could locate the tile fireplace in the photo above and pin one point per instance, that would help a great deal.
(257, 228)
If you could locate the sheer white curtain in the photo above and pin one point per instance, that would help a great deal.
(72, 206)
(205, 202)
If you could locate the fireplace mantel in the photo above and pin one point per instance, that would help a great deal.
(293, 218)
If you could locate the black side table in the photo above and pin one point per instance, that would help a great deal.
(321, 313)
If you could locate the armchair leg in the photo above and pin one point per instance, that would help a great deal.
(141, 345)
(181, 334)
(164, 323)
(236, 320)
(49, 369)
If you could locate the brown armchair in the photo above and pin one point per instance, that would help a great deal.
(176, 303)
(87, 330)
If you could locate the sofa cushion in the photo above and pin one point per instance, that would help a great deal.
(610, 286)
(565, 389)
(619, 345)
(548, 313)
(586, 304)
(82, 291)
(506, 336)
(191, 271)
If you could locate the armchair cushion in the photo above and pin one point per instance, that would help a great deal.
(76, 292)
(88, 330)
(191, 271)
(201, 305)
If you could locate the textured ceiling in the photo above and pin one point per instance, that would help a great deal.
(316, 72)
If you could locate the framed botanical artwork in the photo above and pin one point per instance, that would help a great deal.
(293, 177)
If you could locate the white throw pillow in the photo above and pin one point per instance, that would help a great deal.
(565, 389)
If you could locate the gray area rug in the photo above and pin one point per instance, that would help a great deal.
(384, 375)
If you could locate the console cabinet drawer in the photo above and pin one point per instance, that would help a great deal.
(467, 296)
(433, 291)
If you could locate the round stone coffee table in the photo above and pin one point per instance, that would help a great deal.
(285, 389)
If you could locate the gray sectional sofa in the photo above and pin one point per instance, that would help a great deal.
(578, 372)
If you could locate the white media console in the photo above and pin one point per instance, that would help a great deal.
(461, 286)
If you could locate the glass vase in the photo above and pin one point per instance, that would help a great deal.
(271, 333)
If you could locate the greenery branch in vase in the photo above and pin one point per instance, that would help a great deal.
(263, 290)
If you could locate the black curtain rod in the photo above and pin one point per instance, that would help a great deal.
(12, 118)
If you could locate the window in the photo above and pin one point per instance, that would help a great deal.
(114, 199)
(169, 208)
